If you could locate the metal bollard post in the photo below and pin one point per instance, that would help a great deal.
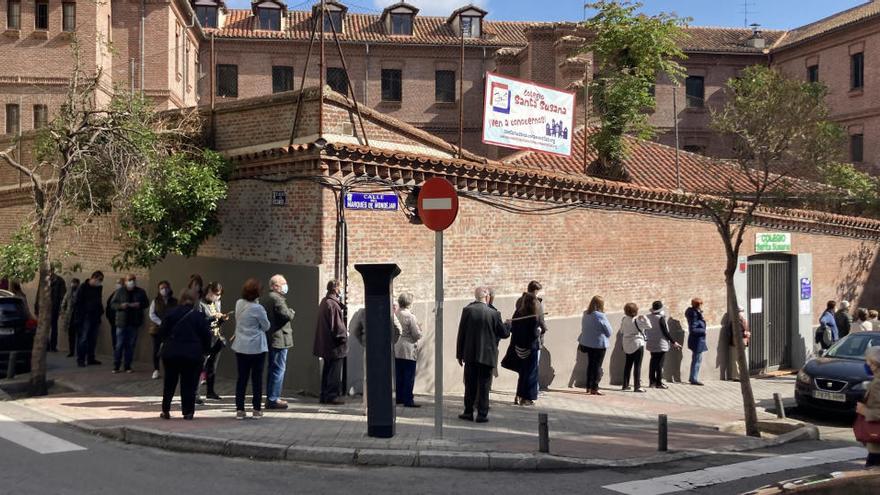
(10, 368)
(543, 433)
(662, 433)
(780, 409)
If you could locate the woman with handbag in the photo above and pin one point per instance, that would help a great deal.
(186, 336)
(867, 426)
(593, 340)
(163, 303)
(522, 354)
(632, 330)
(210, 306)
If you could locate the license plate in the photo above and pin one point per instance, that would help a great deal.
(818, 394)
(7, 331)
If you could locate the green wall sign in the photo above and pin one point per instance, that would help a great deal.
(772, 243)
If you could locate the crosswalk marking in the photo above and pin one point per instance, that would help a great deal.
(732, 472)
(34, 439)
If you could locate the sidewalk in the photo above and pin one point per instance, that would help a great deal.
(620, 427)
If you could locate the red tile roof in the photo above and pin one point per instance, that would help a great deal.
(369, 28)
(725, 40)
(650, 164)
(837, 21)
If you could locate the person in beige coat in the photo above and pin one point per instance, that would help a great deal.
(406, 351)
(870, 407)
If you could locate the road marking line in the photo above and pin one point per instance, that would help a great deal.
(34, 439)
(732, 472)
(437, 204)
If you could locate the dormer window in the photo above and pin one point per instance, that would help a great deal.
(468, 21)
(208, 12)
(398, 19)
(333, 12)
(268, 15)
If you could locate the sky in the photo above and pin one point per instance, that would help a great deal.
(771, 14)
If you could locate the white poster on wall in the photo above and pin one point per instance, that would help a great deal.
(527, 116)
(756, 306)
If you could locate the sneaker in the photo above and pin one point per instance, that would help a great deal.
(278, 404)
(240, 415)
(129, 370)
(213, 396)
(115, 371)
(699, 384)
(527, 402)
(640, 390)
(257, 414)
(155, 374)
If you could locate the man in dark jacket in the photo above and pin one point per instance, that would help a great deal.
(129, 302)
(479, 331)
(331, 343)
(110, 313)
(534, 289)
(86, 318)
(843, 320)
(280, 340)
(57, 290)
(186, 337)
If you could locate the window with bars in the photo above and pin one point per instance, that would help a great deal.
(41, 15)
(470, 26)
(695, 91)
(41, 116)
(282, 78)
(444, 86)
(68, 16)
(13, 119)
(13, 14)
(392, 85)
(337, 79)
(227, 80)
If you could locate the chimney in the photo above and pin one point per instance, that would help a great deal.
(757, 39)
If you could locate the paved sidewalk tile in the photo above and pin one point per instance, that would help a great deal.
(617, 425)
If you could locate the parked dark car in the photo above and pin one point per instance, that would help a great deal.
(16, 334)
(835, 381)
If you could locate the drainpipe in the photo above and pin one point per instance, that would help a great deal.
(143, 26)
(367, 76)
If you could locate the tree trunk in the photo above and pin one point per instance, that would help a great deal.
(745, 384)
(39, 385)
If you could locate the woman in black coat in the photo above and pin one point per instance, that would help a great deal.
(522, 355)
(186, 337)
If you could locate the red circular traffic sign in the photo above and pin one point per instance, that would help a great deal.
(438, 204)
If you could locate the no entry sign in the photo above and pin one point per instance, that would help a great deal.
(438, 204)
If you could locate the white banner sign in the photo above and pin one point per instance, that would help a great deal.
(522, 115)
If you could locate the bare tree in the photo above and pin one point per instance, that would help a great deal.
(782, 138)
(89, 159)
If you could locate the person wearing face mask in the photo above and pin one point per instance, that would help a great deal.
(130, 302)
(164, 301)
(210, 306)
(110, 313)
(87, 311)
(281, 339)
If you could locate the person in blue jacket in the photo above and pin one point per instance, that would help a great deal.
(828, 321)
(696, 338)
(595, 331)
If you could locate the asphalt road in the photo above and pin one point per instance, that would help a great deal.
(111, 467)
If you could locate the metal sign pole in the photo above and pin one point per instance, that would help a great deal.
(438, 334)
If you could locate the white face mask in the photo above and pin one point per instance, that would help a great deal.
(130, 284)
(283, 289)
(164, 292)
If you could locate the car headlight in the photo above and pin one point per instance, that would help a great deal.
(804, 378)
(861, 385)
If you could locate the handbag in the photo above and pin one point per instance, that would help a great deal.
(827, 337)
(866, 431)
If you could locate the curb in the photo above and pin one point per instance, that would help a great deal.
(427, 458)
(446, 459)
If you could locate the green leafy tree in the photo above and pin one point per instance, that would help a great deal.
(630, 51)
(96, 160)
(781, 135)
(855, 191)
(20, 258)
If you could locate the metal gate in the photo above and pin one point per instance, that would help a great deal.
(769, 314)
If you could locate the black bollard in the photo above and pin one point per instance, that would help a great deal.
(543, 433)
(379, 355)
(780, 408)
(662, 433)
